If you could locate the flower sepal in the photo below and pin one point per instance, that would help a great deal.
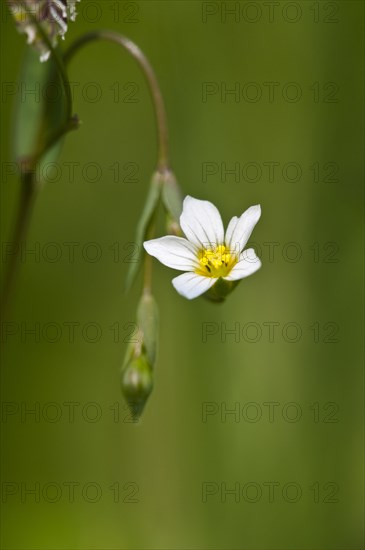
(220, 290)
(144, 223)
(172, 200)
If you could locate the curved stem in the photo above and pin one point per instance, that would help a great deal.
(149, 74)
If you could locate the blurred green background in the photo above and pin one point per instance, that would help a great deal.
(164, 483)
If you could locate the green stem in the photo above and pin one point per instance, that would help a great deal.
(28, 191)
(149, 74)
(159, 108)
(25, 207)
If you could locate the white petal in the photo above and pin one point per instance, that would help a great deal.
(175, 252)
(239, 229)
(202, 223)
(230, 229)
(191, 285)
(248, 264)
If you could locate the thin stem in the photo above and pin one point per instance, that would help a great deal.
(149, 74)
(28, 193)
(25, 207)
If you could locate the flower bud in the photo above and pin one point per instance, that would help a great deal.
(140, 358)
(137, 384)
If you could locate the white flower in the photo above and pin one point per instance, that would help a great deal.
(207, 254)
(53, 15)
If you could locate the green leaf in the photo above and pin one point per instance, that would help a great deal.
(143, 225)
(172, 196)
(148, 322)
(40, 109)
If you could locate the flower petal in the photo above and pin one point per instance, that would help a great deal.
(239, 229)
(175, 252)
(248, 264)
(202, 223)
(191, 285)
(52, 15)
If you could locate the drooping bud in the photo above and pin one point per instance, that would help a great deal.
(140, 359)
(137, 384)
(52, 15)
(220, 290)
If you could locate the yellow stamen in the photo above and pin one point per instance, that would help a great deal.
(216, 262)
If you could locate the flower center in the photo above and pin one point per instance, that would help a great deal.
(215, 262)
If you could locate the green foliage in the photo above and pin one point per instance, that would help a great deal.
(40, 109)
(144, 224)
